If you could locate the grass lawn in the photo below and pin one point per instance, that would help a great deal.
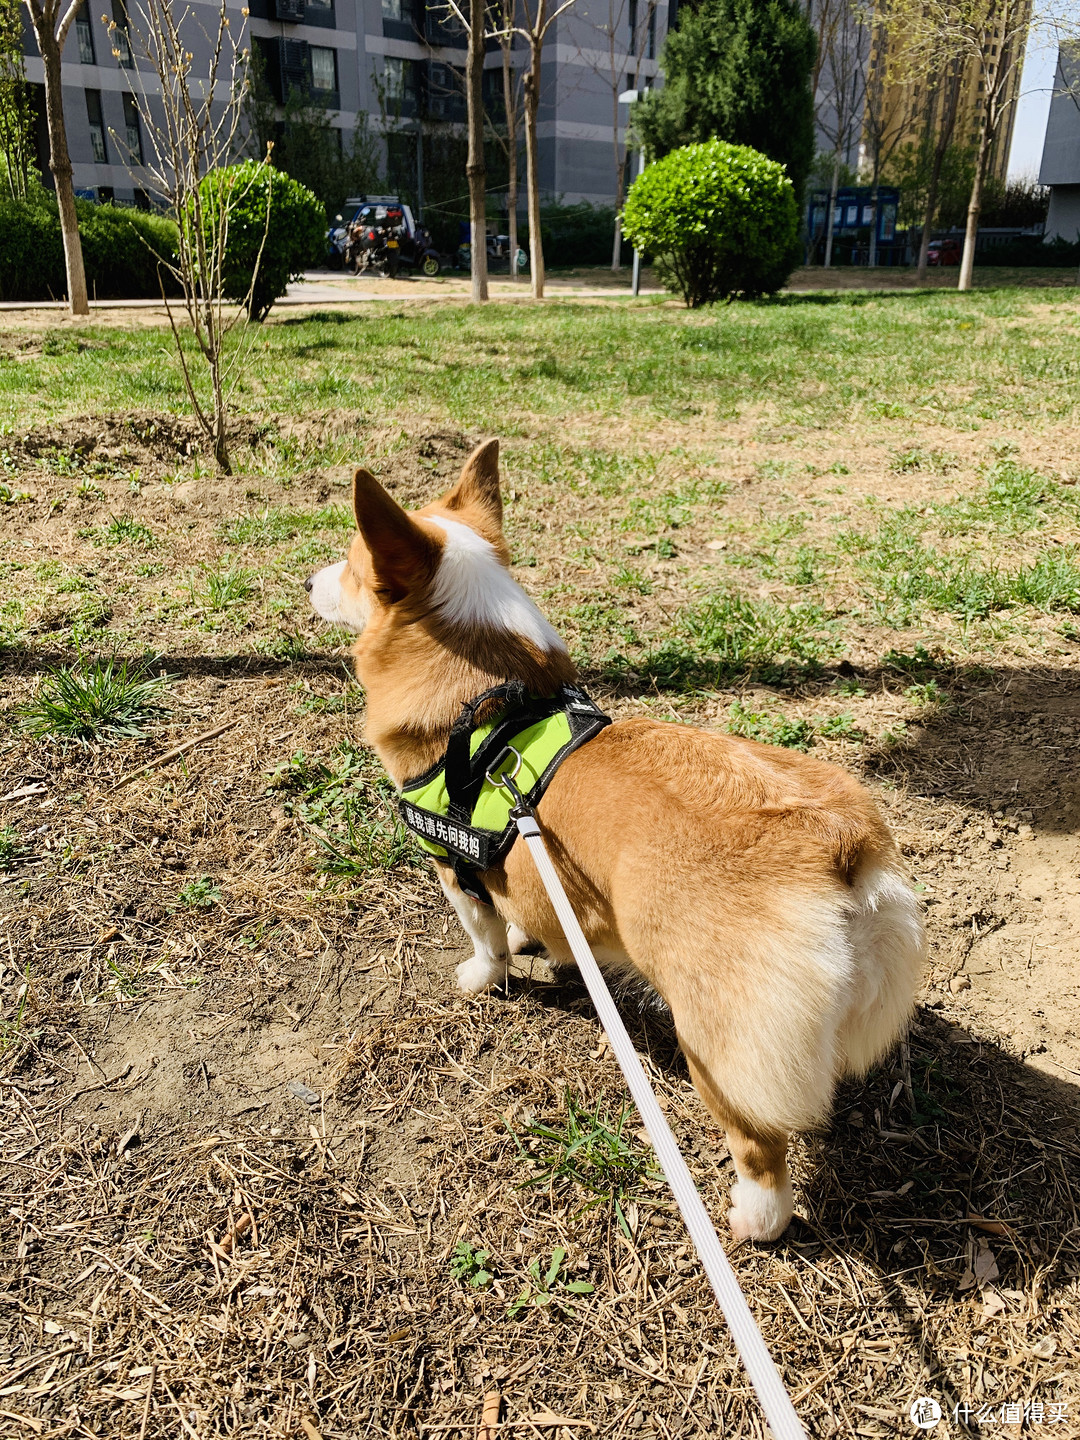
(262, 1172)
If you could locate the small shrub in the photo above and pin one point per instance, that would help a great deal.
(293, 236)
(721, 220)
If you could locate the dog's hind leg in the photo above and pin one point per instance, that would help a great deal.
(487, 931)
(762, 1202)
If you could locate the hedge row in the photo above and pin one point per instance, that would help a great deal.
(118, 245)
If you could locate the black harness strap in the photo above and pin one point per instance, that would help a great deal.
(465, 771)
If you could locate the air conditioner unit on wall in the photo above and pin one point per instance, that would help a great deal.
(294, 67)
(289, 10)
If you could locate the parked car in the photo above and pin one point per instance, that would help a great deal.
(944, 252)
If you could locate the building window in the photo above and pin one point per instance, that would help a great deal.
(320, 12)
(323, 69)
(391, 10)
(132, 131)
(97, 126)
(86, 40)
(121, 36)
(632, 21)
(399, 80)
(652, 33)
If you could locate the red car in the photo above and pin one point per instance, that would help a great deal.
(944, 252)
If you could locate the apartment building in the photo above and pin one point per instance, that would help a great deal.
(899, 114)
(399, 62)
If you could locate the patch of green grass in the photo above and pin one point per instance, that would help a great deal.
(627, 578)
(929, 693)
(549, 1288)
(274, 527)
(591, 1150)
(730, 634)
(124, 530)
(101, 699)
(907, 578)
(214, 588)
(11, 846)
(1016, 498)
(806, 567)
(885, 355)
(792, 734)
(913, 661)
(200, 894)
(470, 1266)
(348, 803)
(309, 703)
(937, 462)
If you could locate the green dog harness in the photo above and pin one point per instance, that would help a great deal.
(462, 816)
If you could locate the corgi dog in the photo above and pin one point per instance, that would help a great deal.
(756, 889)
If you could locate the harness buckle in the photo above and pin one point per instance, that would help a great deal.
(520, 807)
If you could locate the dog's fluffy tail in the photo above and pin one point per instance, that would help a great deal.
(885, 931)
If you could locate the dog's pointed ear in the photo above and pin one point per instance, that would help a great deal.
(402, 552)
(479, 484)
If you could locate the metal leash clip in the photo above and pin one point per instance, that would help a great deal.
(521, 806)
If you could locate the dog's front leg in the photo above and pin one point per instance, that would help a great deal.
(486, 930)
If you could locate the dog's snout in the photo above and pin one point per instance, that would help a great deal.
(308, 583)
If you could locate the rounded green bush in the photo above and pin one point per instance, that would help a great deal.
(295, 236)
(720, 219)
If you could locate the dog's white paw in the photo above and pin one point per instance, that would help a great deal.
(480, 973)
(758, 1212)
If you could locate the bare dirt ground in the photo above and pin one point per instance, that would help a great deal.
(243, 1135)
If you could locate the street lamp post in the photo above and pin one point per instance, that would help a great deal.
(628, 97)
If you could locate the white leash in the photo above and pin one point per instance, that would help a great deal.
(763, 1373)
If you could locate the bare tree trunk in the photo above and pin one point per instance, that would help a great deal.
(60, 163)
(510, 101)
(616, 253)
(967, 262)
(474, 169)
(532, 106)
(830, 210)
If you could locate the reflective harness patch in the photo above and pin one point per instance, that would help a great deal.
(458, 814)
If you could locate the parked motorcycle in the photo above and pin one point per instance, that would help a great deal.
(383, 236)
(498, 253)
(337, 244)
